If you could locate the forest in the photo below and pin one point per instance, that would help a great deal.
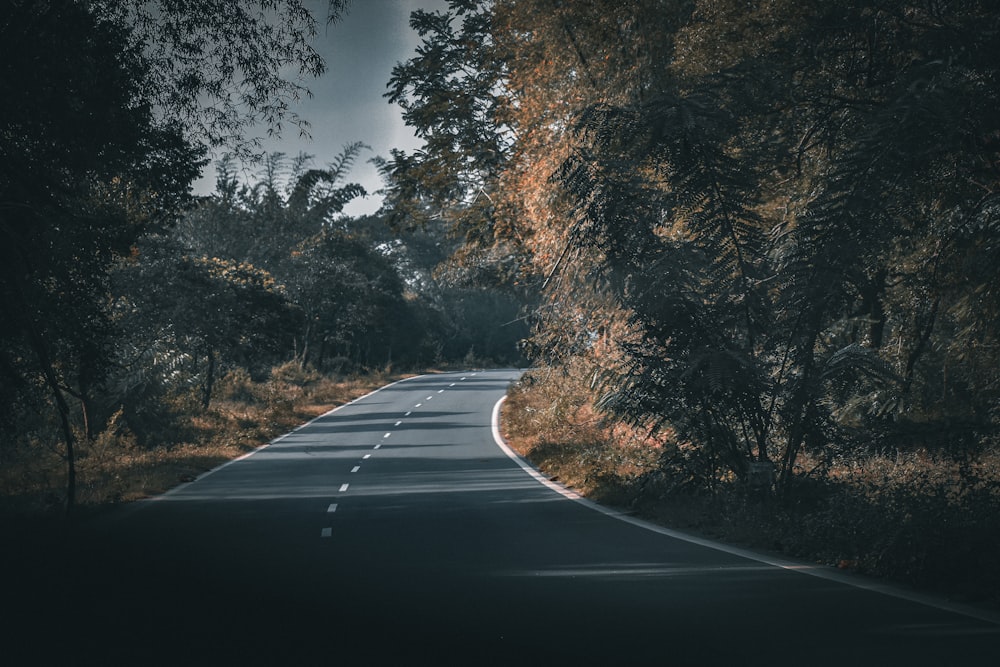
(751, 250)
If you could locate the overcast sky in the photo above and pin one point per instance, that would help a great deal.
(347, 104)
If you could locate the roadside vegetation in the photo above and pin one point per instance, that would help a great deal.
(917, 516)
(752, 251)
(148, 334)
(765, 240)
(120, 466)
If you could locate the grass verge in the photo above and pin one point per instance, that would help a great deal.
(117, 467)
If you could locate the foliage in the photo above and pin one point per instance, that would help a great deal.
(764, 241)
(224, 68)
(86, 170)
(448, 94)
(106, 112)
(915, 517)
(118, 466)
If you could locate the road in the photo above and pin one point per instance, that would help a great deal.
(396, 531)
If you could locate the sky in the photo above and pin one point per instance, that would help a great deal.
(348, 103)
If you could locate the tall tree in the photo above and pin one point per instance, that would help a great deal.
(743, 201)
(85, 170)
(106, 110)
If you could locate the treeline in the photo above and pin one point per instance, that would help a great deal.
(768, 231)
(768, 234)
(270, 270)
(123, 296)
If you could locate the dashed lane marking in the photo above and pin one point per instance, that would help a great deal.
(343, 487)
(332, 508)
(326, 532)
(366, 457)
(378, 445)
(355, 468)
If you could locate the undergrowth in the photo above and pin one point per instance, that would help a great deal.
(117, 465)
(914, 517)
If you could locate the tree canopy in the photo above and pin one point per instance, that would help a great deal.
(765, 226)
(107, 110)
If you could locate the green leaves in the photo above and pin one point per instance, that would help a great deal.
(224, 69)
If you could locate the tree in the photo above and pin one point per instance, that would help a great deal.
(85, 170)
(223, 68)
(748, 215)
(261, 223)
(732, 207)
(352, 298)
(449, 95)
(106, 111)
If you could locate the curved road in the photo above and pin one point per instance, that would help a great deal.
(395, 530)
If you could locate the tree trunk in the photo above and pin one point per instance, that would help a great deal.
(49, 373)
(209, 383)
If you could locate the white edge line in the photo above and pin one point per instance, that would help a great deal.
(166, 494)
(811, 569)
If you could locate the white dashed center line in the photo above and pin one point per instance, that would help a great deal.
(366, 457)
(452, 384)
(397, 423)
(355, 468)
(386, 435)
(332, 508)
(343, 487)
(418, 405)
(428, 398)
(408, 414)
(327, 532)
(441, 392)
(378, 445)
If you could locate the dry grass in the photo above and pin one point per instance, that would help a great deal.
(913, 517)
(549, 420)
(115, 468)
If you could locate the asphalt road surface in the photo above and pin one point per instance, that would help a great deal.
(397, 531)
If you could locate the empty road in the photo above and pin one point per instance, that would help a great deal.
(396, 531)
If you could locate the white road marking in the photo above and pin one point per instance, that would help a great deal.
(166, 494)
(408, 414)
(820, 571)
(441, 392)
(332, 508)
(418, 405)
(327, 532)
(452, 384)
(386, 435)
(397, 423)
(378, 445)
(428, 398)
(355, 468)
(366, 457)
(343, 487)
(463, 379)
